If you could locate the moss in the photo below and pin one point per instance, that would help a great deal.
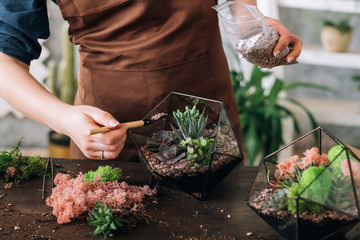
(316, 191)
(108, 174)
(24, 167)
(336, 155)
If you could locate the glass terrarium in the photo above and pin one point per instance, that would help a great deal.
(191, 147)
(310, 188)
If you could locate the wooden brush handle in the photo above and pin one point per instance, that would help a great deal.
(99, 130)
(133, 124)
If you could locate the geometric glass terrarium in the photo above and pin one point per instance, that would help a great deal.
(191, 148)
(309, 189)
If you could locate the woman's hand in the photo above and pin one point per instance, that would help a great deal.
(77, 122)
(286, 39)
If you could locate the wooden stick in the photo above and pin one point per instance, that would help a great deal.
(133, 124)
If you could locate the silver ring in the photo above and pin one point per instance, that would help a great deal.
(102, 155)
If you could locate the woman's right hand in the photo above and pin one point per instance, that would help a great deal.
(79, 119)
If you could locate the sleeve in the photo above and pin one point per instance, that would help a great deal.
(22, 23)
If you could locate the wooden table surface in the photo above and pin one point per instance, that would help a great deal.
(222, 215)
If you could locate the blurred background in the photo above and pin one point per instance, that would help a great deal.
(314, 21)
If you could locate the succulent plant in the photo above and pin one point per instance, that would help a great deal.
(170, 154)
(158, 139)
(191, 134)
(197, 150)
(103, 219)
(277, 201)
(191, 124)
(340, 196)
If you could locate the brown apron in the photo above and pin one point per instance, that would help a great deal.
(133, 53)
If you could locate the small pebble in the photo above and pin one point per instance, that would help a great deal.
(229, 216)
(17, 228)
(249, 234)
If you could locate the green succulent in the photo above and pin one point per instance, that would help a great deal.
(191, 124)
(343, 25)
(278, 200)
(183, 116)
(191, 134)
(197, 150)
(158, 139)
(170, 154)
(103, 219)
(340, 196)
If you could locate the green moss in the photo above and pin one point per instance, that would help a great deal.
(25, 167)
(336, 155)
(108, 174)
(316, 191)
(293, 193)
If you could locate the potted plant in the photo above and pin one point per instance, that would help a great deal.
(336, 36)
(63, 84)
(314, 188)
(193, 149)
(262, 111)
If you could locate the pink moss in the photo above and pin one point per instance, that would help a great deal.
(313, 156)
(11, 171)
(355, 168)
(8, 185)
(287, 167)
(72, 196)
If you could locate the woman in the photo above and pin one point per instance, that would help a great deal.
(132, 54)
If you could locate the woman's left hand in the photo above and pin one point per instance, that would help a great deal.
(286, 39)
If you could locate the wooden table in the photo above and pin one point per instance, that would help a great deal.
(223, 215)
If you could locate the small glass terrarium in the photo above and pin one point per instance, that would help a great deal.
(192, 146)
(309, 189)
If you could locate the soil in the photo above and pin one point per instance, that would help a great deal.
(224, 144)
(172, 215)
(261, 52)
(318, 218)
(24, 214)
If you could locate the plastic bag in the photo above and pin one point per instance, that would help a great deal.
(250, 35)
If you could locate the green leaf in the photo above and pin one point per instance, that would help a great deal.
(293, 85)
(356, 78)
(97, 231)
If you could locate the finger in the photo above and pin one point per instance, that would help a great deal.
(296, 45)
(111, 137)
(283, 41)
(107, 153)
(103, 118)
(103, 155)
